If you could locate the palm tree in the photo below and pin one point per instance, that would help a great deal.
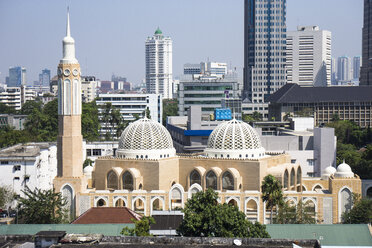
(271, 193)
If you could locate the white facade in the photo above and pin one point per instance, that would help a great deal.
(89, 89)
(132, 104)
(308, 57)
(159, 65)
(15, 97)
(33, 165)
(344, 71)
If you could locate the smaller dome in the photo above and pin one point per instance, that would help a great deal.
(344, 170)
(329, 171)
(158, 31)
(88, 169)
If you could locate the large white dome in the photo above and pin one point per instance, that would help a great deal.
(328, 171)
(146, 139)
(234, 139)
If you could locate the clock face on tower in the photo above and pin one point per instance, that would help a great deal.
(67, 72)
(75, 72)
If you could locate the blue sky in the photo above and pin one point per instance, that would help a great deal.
(110, 34)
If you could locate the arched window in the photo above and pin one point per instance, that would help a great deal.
(157, 205)
(112, 180)
(318, 187)
(195, 177)
(67, 193)
(139, 206)
(227, 181)
(233, 202)
(299, 175)
(285, 179)
(251, 210)
(346, 200)
(211, 180)
(128, 181)
(176, 198)
(292, 177)
(101, 203)
(120, 203)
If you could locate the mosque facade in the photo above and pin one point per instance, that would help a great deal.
(147, 175)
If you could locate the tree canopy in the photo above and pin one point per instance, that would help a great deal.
(142, 227)
(271, 193)
(42, 207)
(6, 196)
(170, 108)
(360, 213)
(302, 213)
(205, 217)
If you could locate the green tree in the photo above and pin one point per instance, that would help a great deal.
(361, 212)
(42, 207)
(29, 106)
(303, 213)
(142, 227)
(87, 162)
(271, 193)
(204, 216)
(89, 121)
(6, 196)
(5, 109)
(170, 108)
(9, 136)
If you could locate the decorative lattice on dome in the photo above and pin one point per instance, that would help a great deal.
(145, 134)
(234, 135)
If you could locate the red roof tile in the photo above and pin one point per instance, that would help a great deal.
(107, 215)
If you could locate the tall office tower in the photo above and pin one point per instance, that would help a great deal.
(17, 76)
(70, 179)
(159, 65)
(343, 69)
(308, 56)
(264, 49)
(366, 69)
(334, 71)
(356, 67)
(44, 78)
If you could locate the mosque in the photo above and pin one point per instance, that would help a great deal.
(147, 175)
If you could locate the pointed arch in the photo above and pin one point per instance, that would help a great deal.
(211, 180)
(194, 189)
(120, 201)
(227, 181)
(68, 193)
(128, 181)
(345, 201)
(157, 203)
(112, 180)
(195, 177)
(101, 201)
(251, 209)
(285, 179)
(139, 204)
(176, 196)
(317, 187)
(233, 200)
(292, 178)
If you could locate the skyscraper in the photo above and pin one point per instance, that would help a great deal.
(344, 69)
(44, 78)
(366, 69)
(309, 56)
(334, 71)
(70, 178)
(159, 64)
(264, 50)
(17, 76)
(356, 68)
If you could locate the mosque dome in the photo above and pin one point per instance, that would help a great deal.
(158, 31)
(146, 139)
(234, 139)
(329, 171)
(88, 171)
(344, 170)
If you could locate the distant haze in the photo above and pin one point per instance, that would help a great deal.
(110, 34)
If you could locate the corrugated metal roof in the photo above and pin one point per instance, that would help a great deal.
(32, 229)
(329, 235)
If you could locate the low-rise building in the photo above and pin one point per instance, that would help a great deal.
(15, 121)
(15, 97)
(206, 92)
(89, 87)
(33, 165)
(130, 106)
(323, 103)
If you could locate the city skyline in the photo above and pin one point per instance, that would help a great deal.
(31, 41)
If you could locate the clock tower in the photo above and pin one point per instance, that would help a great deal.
(70, 179)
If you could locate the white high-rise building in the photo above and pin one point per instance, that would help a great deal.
(334, 71)
(308, 57)
(159, 65)
(344, 69)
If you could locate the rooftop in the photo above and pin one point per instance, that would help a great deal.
(24, 150)
(107, 215)
(293, 93)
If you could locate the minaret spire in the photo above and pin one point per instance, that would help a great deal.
(68, 33)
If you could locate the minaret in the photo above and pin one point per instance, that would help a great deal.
(70, 179)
